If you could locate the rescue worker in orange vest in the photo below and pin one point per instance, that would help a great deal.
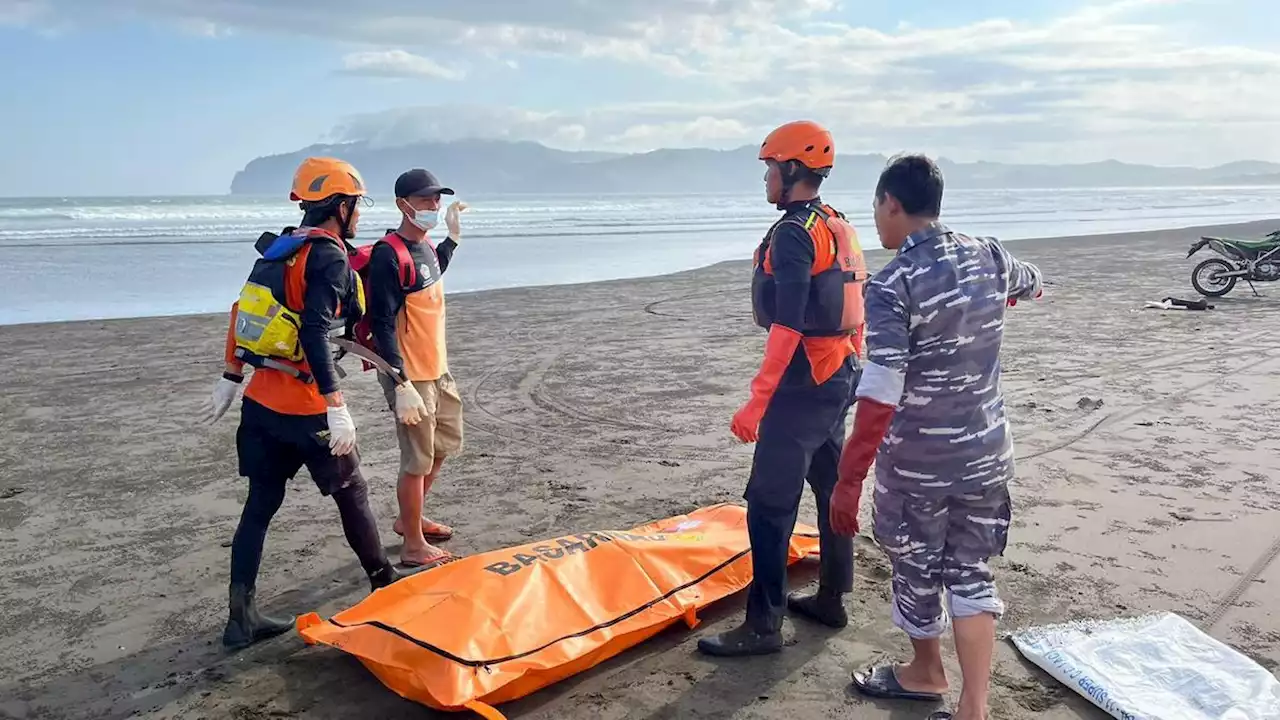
(293, 413)
(806, 290)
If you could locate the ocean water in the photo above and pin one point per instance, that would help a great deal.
(94, 258)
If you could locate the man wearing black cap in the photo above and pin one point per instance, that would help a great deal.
(407, 318)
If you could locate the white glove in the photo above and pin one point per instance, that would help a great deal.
(451, 220)
(410, 408)
(224, 393)
(342, 430)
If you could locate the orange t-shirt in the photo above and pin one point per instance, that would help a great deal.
(827, 354)
(417, 312)
(273, 389)
(420, 329)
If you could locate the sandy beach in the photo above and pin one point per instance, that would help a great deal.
(1143, 486)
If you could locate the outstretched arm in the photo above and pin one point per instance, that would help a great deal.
(1025, 281)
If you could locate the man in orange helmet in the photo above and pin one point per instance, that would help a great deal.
(293, 413)
(806, 290)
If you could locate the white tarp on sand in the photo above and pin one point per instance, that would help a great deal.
(1158, 667)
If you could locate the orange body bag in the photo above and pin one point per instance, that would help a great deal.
(490, 628)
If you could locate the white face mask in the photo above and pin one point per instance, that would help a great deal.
(424, 220)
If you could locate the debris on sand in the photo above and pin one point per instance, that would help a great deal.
(1088, 403)
(11, 492)
(1153, 666)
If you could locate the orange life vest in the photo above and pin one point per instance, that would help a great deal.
(281, 384)
(839, 272)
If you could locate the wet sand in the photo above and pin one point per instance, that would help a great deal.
(1143, 486)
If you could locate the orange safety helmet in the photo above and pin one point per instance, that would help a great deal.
(804, 141)
(318, 178)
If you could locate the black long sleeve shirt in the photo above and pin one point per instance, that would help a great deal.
(792, 257)
(330, 287)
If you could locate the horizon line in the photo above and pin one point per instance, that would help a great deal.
(266, 196)
(749, 146)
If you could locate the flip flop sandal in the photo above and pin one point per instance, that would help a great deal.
(439, 532)
(882, 682)
(438, 536)
(434, 562)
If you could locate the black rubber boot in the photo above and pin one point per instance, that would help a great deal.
(245, 625)
(824, 606)
(740, 642)
(384, 577)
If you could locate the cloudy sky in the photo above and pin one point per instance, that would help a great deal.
(165, 96)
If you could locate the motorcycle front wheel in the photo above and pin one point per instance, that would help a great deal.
(1207, 278)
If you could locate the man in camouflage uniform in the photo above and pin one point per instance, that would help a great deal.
(931, 414)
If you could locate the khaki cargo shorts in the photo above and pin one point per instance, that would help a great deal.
(440, 432)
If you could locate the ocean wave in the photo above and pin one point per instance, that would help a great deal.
(73, 222)
(35, 214)
(118, 237)
(1071, 224)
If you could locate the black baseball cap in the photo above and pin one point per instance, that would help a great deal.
(419, 182)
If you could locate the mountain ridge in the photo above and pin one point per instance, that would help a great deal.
(500, 166)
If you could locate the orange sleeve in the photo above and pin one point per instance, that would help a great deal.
(229, 353)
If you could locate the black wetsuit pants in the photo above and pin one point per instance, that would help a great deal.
(801, 437)
(272, 448)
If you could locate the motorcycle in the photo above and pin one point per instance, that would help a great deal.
(1251, 260)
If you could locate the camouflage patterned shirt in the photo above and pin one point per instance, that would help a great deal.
(935, 322)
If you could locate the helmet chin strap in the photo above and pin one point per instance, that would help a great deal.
(789, 172)
(345, 224)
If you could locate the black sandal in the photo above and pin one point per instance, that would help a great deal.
(882, 682)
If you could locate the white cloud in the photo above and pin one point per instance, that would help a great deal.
(20, 13)
(704, 130)
(398, 22)
(1105, 78)
(444, 123)
(572, 135)
(858, 117)
(396, 64)
(204, 28)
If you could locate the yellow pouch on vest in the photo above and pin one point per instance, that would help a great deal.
(265, 327)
